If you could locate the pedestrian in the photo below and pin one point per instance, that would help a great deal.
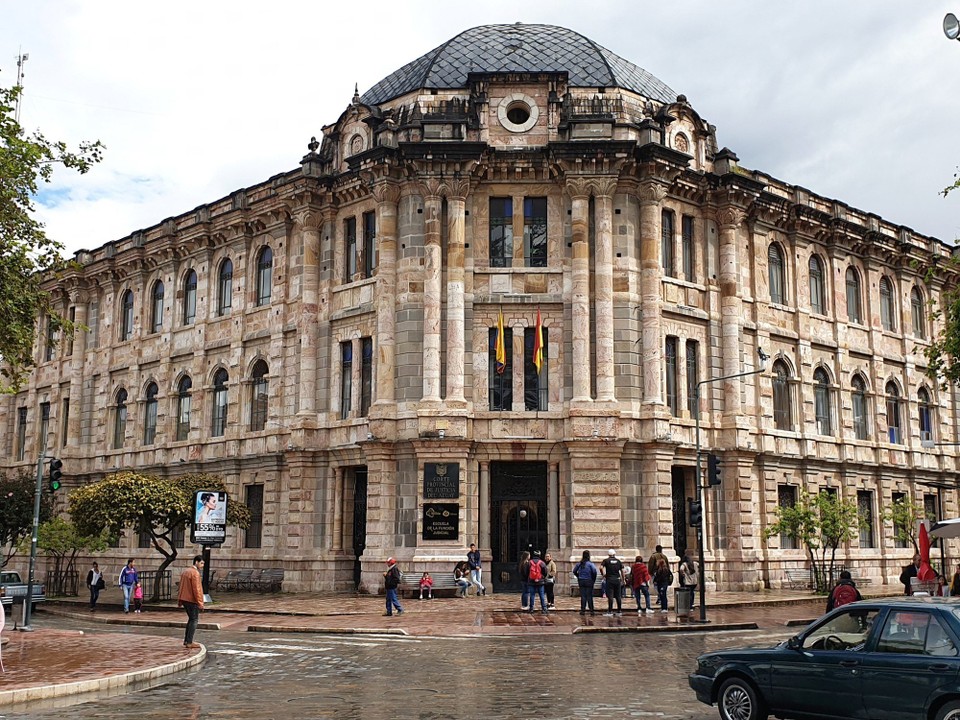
(640, 580)
(461, 575)
(138, 597)
(586, 574)
(955, 584)
(910, 572)
(190, 598)
(426, 586)
(943, 588)
(535, 573)
(613, 574)
(128, 579)
(549, 580)
(654, 560)
(525, 597)
(662, 579)
(391, 581)
(96, 584)
(476, 569)
(689, 576)
(843, 592)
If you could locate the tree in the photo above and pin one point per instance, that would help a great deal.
(943, 352)
(26, 253)
(16, 511)
(60, 539)
(147, 504)
(904, 513)
(821, 522)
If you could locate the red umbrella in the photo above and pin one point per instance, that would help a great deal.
(925, 572)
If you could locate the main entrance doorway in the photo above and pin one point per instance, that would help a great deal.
(518, 518)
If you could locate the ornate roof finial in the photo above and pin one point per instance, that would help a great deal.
(313, 144)
(356, 94)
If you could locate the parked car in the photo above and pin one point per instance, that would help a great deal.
(13, 588)
(890, 658)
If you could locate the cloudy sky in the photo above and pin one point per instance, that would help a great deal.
(856, 100)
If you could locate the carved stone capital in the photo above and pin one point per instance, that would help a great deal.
(651, 192)
(432, 188)
(604, 186)
(386, 192)
(309, 218)
(578, 187)
(730, 217)
(456, 189)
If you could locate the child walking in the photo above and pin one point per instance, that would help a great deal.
(137, 597)
(426, 586)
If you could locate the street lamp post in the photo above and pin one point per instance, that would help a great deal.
(699, 477)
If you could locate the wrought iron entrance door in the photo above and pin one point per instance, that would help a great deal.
(518, 518)
(359, 520)
(679, 505)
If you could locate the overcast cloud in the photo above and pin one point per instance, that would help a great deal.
(856, 101)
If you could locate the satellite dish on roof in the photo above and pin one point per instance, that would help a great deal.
(951, 26)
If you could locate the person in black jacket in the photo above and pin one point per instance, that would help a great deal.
(910, 572)
(96, 584)
(391, 581)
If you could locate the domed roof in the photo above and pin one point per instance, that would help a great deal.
(518, 48)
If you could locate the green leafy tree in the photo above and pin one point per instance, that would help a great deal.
(16, 511)
(905, 513)
(822, 522)
(60, 539)
(943, 352)
(147, 504)
(26, 253)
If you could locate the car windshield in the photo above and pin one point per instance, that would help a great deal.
(846, 631)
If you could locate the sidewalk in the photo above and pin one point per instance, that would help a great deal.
(47, 664)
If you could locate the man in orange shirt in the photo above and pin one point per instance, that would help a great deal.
(190, 598)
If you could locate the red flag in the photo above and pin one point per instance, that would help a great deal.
(538, 343)
(925, 572)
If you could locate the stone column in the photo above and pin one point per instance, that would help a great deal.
(456, 203)
(603, 282)
(651, 194)
(579, 191)
(730, 218)
(432, 292)
(336, 476)
(553, 500)
(308, 222)
(518, 379)
(381, 513)
(80, 299)
(483, 531)
(595, 494)
(387, 196)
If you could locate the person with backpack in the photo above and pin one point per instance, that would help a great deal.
(844, 592)
(586, 574)
(526, 599)
(640, 579)
(391, 581)
(652, 565)
(127, 580)
(662, 579)
(613, 574)
(535, 577)
(689, 577)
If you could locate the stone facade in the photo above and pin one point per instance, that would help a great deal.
(350, 349)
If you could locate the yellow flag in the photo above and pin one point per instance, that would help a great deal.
(501, 350)
(538, 343)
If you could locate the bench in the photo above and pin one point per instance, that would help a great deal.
(270, 580)
(250, 580)
(410, 584)
(799, 577)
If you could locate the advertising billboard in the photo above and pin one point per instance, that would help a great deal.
(209, 517)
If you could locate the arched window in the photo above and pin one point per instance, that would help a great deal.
(190, 298)
(120, 419)
(818, 295)
(666, 243)
(225, 288)
(860, 420)
(916, 313)
(219, 426)
(926, 415)
(888, 317)
(264, 276)
(821, 404)
(156, 307)
(183, 407)
(782, 410)
(854, 306)
(150, 415)
(894, 433)
(126, 315)
(259, 396)
(777, 272)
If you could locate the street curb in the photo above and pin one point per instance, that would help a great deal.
(799, 622)
(112, 683)
(685, 628)
(93, 618)
(326, 631)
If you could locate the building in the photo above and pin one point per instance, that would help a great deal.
(329, 340)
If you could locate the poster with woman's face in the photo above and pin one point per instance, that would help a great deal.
(209, 517)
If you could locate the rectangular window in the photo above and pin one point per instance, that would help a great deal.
(183, 416)
(865, 513)
(501, 232)
(686, 229)
(899, 531)
(254, 532)
(693, 375)
(44, 423)
(65, 423)
(349, 249)
(787, 498)
(150, 422)
(72, 316)
(535, 231)
(930, 505)
(219, 426)
(670, 353)
(143, 539)
(500, 387)
(535, 386)
(51, 342)
(21, 433)
(346, 379)
(366, 375)
(369, 244)
(179, 536)
(666, 243)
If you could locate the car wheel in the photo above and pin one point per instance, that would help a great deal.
(950, 711)
(739, 700)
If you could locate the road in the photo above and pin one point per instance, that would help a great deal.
(301, 676)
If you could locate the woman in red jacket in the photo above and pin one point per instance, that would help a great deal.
(640, 580)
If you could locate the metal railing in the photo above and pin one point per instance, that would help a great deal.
(147, 579)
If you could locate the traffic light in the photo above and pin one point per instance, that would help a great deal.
(713, 470)
(696, 513)
(56, 474)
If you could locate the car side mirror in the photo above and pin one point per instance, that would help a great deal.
(794, 643)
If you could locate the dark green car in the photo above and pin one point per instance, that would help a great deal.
(875, 659)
